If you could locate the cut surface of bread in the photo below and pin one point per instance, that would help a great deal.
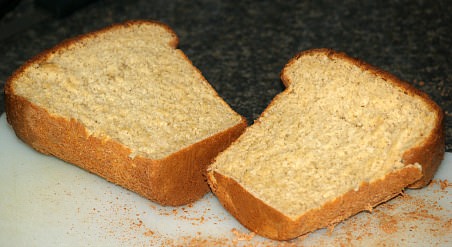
(124, 103)
(342, 138)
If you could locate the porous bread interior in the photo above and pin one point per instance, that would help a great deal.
(333, 128)
(130, 85)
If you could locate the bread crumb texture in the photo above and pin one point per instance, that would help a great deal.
(130, 85)
(334, 127)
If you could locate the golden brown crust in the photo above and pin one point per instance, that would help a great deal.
(269, 222)
(175, 180)
(431, 152)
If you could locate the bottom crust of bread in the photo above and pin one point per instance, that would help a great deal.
(269, 222)
(175, 180)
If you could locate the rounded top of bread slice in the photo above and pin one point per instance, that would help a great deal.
(128, 83)
(338, 124)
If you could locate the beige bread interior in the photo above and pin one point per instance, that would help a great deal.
(132, 86)
(123, 103)
(335, 127)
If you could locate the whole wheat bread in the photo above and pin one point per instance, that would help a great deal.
(125, 104)
(342, 138)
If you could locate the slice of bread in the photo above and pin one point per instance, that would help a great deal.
(342, 138)
(125, 104)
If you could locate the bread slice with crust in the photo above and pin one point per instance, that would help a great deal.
(342, 138)
(125, 104)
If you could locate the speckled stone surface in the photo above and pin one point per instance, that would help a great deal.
(241, 46)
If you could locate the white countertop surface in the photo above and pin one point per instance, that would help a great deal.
(47, 202)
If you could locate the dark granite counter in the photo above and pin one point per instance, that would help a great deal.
(241, 46)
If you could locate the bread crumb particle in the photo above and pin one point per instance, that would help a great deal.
(243, 236)
(148, 233)
(443, 184)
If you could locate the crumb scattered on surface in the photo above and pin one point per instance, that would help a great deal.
(243, 235)
(388, 225)
(444, 184)
(148, 233)
(397, 221)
